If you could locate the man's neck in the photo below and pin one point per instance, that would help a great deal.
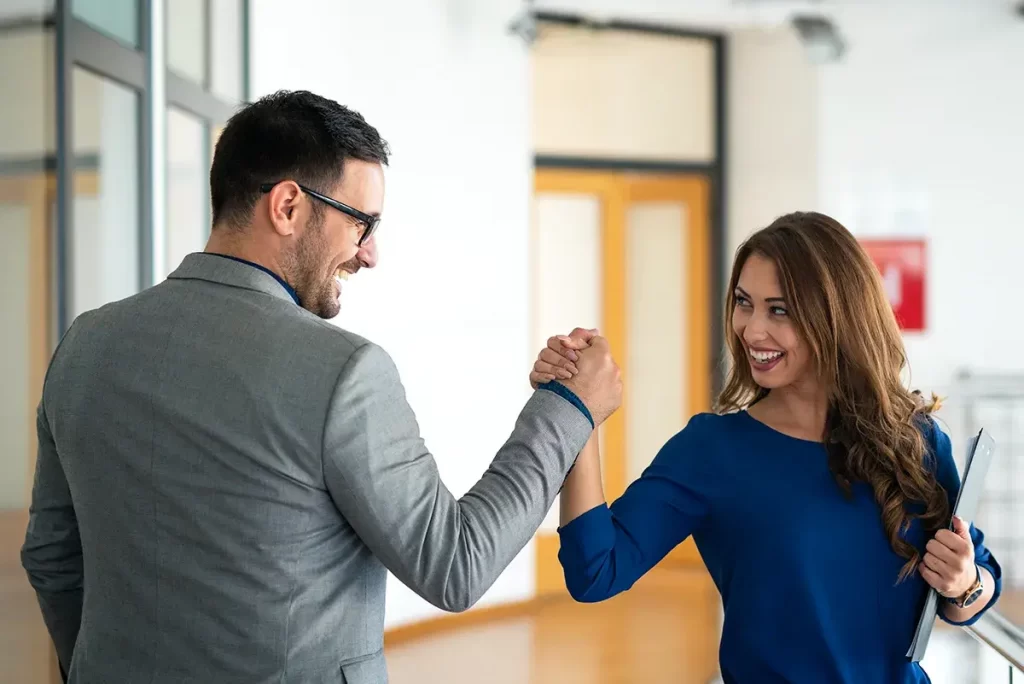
(223, 242)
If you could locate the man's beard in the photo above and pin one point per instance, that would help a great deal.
(307, 268)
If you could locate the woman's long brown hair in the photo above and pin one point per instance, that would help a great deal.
(873, 434)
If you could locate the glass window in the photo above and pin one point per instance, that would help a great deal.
(105, 243)
(187, 203)
(227, 46)
(186, 39)
(27, 195)
(117, 18)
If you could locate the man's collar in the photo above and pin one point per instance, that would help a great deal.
(230, 270)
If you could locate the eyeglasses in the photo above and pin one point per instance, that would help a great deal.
(368, 220)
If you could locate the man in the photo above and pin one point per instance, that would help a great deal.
(224, 477)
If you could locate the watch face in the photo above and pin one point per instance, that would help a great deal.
(973, 596)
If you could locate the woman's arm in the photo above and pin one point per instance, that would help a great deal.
(583, 489)
(605, 550)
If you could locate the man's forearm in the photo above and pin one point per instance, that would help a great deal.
(62, 614)
(506, 507)
(387, 486)
(954, 614)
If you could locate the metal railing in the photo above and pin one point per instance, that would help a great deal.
(996, 402)
(1007, 640)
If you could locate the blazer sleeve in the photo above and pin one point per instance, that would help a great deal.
(385, 482)
(52, 553)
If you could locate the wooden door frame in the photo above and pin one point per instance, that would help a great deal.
(615, 191)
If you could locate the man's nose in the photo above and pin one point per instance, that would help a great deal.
(367, 254)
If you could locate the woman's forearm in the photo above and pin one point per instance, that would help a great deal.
(583, 489)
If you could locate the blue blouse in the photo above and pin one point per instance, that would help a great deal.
(807, 576)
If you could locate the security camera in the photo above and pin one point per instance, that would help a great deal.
(525, 26)
(820, 38)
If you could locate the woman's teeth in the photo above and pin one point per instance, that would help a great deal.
(765, 357)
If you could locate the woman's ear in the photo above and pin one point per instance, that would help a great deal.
(927, 405)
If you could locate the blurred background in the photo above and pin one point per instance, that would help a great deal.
(556, 164)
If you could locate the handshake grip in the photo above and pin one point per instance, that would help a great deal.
(583, 362)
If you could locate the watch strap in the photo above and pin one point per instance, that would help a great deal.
(964, 599)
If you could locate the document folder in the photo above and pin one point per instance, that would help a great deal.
(979, 456)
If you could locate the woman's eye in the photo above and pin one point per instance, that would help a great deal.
(778, 311)
(742, 301)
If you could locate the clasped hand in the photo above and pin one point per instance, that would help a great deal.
(582, 361)
(557, 361)
(948, 563)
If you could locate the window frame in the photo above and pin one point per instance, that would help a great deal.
(145, 70)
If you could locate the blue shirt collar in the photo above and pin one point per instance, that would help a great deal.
(291, 291)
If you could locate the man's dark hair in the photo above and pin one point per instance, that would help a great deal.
(290, 135)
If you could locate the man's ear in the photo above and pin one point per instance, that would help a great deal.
(282, 207)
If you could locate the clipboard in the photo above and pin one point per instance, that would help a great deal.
(980, 450)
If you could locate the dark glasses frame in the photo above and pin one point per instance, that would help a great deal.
(369, 220)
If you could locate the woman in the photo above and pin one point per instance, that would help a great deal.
(820, 494)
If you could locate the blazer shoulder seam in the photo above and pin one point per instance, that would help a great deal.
(358, 351)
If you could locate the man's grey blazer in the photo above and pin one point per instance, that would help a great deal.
(223, 479)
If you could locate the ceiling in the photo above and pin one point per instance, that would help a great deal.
(24, 9)
(732, 14)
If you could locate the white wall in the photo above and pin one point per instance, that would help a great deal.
(916, 131)
(772, 131)
(446, 85)
(920, 130)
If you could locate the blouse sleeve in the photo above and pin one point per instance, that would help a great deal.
(605, 550)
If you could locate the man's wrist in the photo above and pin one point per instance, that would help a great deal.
(570, 396)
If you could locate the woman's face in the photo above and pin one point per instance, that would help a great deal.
(777, 354)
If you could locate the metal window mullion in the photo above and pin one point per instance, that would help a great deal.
(63, 258)
(246, 46)
(190, 97)
(103, 55)
(155, 143)
(207, 83)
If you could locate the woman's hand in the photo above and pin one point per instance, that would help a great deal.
(948, 564)
(557, 361)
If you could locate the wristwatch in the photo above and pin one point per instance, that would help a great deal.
(972, 594)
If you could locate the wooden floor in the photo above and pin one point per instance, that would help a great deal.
(657, 632)
(25, 650)
(665, 629)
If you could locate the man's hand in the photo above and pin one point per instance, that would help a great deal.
(585, 357)
(948, 564)
(557, 361)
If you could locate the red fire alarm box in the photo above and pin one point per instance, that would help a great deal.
(903, 265)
